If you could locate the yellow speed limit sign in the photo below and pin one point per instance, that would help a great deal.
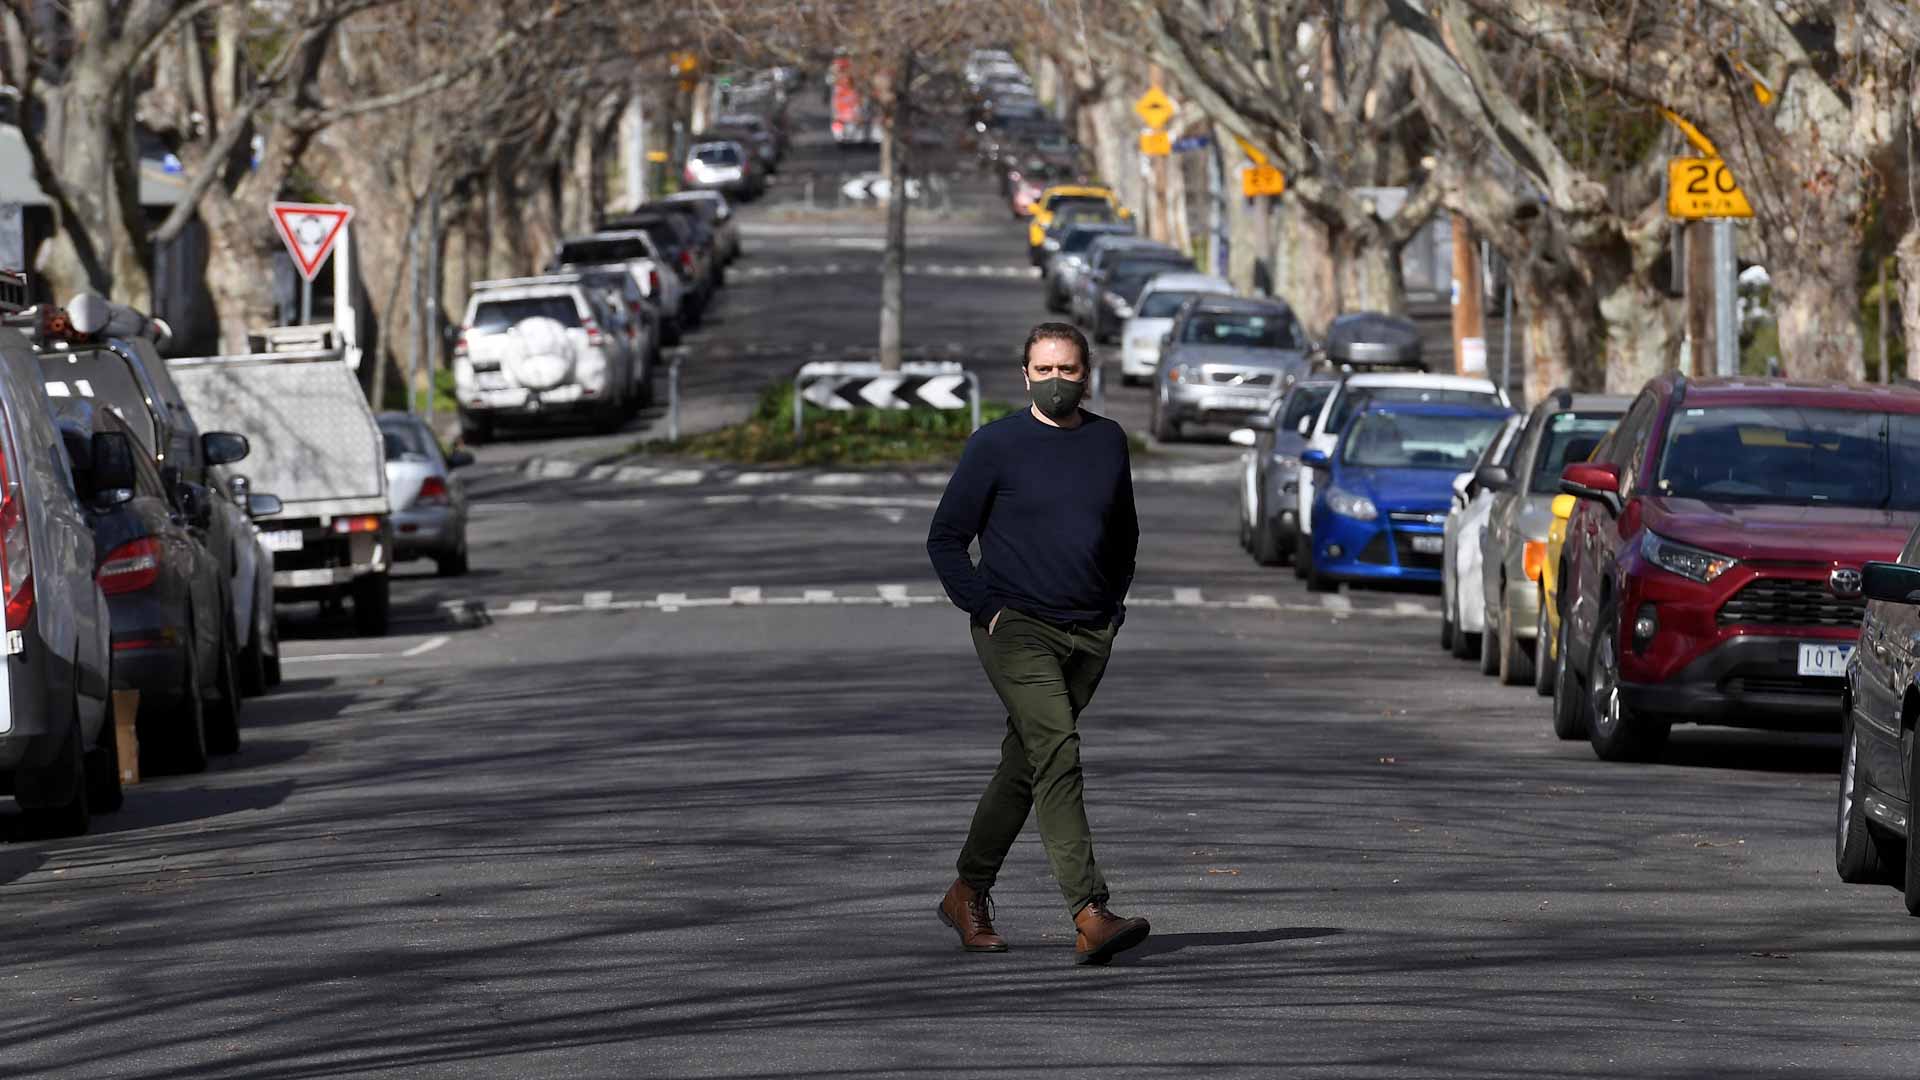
(1704, 188)
(1258, 180)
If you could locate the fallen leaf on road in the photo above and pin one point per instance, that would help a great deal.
(1389, 761)
(1771, 955)
(1222, 870)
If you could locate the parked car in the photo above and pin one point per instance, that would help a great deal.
(705, 240)
(1874, 838)
(1066, 257)
(1354, 392)
(1546, 649)
(753, 131)
(1462, 607)
(165, 592)
(536, 349)
(1119, 287)
(723, 165)
(1226, 359)
(1054, 199)
(58, 744)
(1087, 284)
(1714, 574)
(637, 253)
(111, 352)
(1272, 469)
(675, 238)
(429, 502)
(1153, 312)
(1381, 513)
(718, 214)
(1562, 429)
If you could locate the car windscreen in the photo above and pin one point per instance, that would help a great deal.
(1567, 432)
(403, 440)
(1130, 279)
(497, 316)
(1061, 202)
(1389, 440)
(1097, 214)
(601, 252)
(1241, 328)
(104, 377)
(1357, 398)
(718, 154)
(1164, 303)
(1304, 402)
(1793, 455)
(1079, 239)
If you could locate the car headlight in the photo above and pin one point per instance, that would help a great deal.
(1051, 245)
(1182, 373)
(1693, 563)
(1347, 504)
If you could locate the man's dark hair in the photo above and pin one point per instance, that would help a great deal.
(1056, 331)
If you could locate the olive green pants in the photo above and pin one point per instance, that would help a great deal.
(1045, 674)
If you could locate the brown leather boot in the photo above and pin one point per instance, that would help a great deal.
(970, 913)
(1102, 934)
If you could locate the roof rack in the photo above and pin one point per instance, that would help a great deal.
(1374, 339)
(313, 338)
(13, 292)
(567, 278)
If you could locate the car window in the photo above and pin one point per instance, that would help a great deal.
(1566, 435)
(1060, 202)
(1389, 440)
(1302, 403)
(104, 377)
(1274, 331)
(1130, 279)
(718, 154)
(1163, 303)
(1787, 454)
(404, 440)
(498, 316)
(1358, 398)
(598, 252)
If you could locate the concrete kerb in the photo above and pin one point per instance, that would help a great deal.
(684, 474)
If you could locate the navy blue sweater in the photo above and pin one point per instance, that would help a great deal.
(1053, 508)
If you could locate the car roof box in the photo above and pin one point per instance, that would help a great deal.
(1374, 339)
(13, 292)
(319, 337)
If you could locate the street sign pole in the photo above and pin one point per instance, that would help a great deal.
(1726, 336)
(306, 300)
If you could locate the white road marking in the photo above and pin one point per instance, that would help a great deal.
(323, 658)
(671, 601)
(522, 607)
(745, 594)
(1336, 603)
(1262, 600)
(894, 594)
(817, 596)
(1410, 607)
(426, 646)
(1187, 597)
(596, 599)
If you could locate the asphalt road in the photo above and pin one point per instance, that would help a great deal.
(670, 786)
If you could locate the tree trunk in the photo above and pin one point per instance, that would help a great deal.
(1369, 272)
(1559, 330)
(239, 260)
(1817, 302)
(893, 273)
(1909, 268)
(1304, 273)
(1643, 328)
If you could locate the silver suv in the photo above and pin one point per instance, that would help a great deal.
(536, 348)
(58, 751)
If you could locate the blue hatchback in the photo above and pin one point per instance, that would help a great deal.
(1381, 509)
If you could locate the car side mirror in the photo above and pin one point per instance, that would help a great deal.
(113, 479)
(1463, 489)
(1599, 482)
(1316, 459)
(459, 459)
(1245, 436)
(1492, 477)
(262, 505)
(1895, 583)
(195, 504)
(224, 447)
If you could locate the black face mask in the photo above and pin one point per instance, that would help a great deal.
(1058, 397)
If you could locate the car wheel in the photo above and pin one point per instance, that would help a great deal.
(74, 816)
(372, 601)
(271, 662)
(1266, 546)
(453, 565)
(1910, 861)
(252, 666)
(176, 741)
(475, 430)
(1543, 662)
(1516, 664)
(1489, 651)
(610, 417)
(1861, 854)
(1617, 733)
(1447, 626)
(1246, 531)
(1302, 555)
(104, 793)
(223, 715)
(670, 331)
(1164, 429)
(1569, 704)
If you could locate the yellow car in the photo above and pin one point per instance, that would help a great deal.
(1052, 199)
(1548, 649)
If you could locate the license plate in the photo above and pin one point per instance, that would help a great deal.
(1429, 545)
(1822, 658)
(491, 380)
(283, 540)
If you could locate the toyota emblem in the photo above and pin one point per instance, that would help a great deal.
(1844, 582)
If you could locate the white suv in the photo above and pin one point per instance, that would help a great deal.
(534, 348)
(633, 250)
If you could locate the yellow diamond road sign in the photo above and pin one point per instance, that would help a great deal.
(1704, 188)
(1154, 107)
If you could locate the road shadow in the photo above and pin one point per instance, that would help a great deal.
(1754, 751)
(1167, 944)
(149, 808)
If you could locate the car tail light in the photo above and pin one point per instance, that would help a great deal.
(460, 343)
(16, 548)
(653, 282)
(358, 523)
(593, 331)
(689, 175)
(686, 260)
(1533, 558)
(433, 492)
(130, 567)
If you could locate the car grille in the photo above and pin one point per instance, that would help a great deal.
(1808, 686)
(1240, 378)
(1418, 517)
(1410, 559)
(1377, 550)
(1790, 602)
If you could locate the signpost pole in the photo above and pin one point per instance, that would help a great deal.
(306, 300)
(1726, 336)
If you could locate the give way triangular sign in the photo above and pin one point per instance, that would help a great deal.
(309, 231)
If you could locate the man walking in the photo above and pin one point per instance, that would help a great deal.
(1049, 492)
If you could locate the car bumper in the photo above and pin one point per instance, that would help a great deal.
(520, 403)
(157, 670)
(1750, 682)
(1379, 550)
(1523, 608)
(428, 530)
(1210, 405)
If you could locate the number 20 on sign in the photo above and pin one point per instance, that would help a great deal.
(1704, 188)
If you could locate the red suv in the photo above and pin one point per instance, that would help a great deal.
(1712, 566)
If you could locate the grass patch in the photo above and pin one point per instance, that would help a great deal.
(919, 436)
